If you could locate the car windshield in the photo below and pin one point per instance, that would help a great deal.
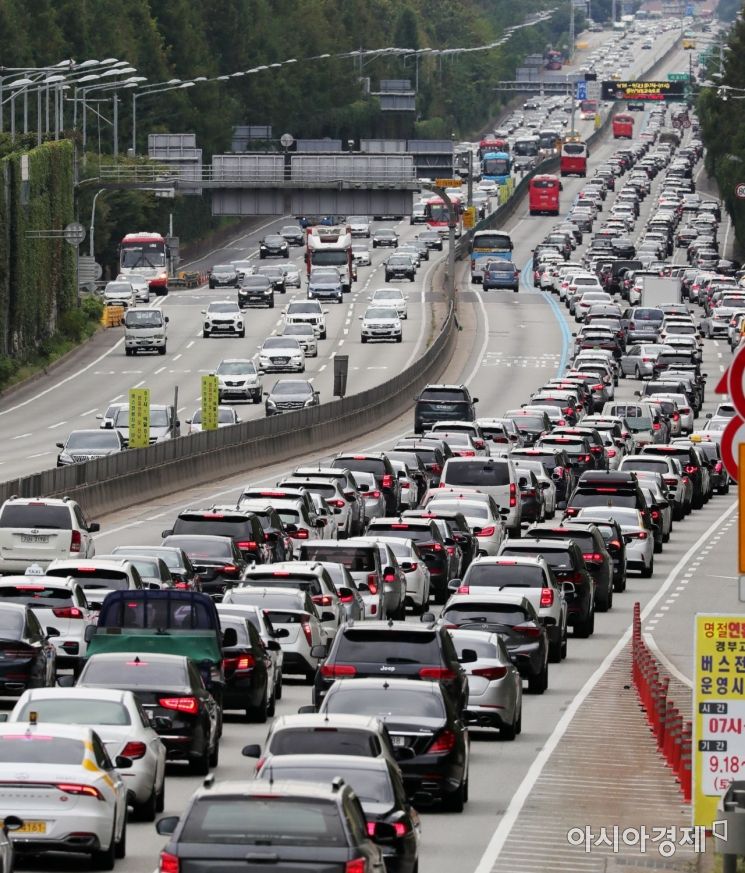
(37, 514)
(324, 276)
(223, 307)
(143, 318)
(388, 294)
(281, 342)
(32, 748)
(264, 821)
(324, 741)
(91, 439)
(76, 710)
(131, 671)
(370, 786)
(225, 415)
(485, 613)
(303, 309)
(379, 312)
(223, 268)
(236, 368)
(356, 559)
(158, 418)
(289, 386)
(386, 702)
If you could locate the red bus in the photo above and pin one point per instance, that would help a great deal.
(623, 126)
(573, 160)
(147, 256)
(588, 109)
(543, 195)
(493, 144)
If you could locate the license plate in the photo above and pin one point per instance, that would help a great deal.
(223, 326)
(398, 741)
(26, 538)
(281, 360)
(31, 827)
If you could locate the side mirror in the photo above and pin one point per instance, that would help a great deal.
(428, 618)
(89, 632)
(12, 823)
(474, 400)
(66, 681)
(167, 825)
(122, 763)
(52, 632)
(308, 709)
(454, 584)
(166, 533)
(251, 751)
(468, 656)
(94, 527)
(318, 651)
(327, 615)
(99, 416)
(229, 637)
(60, 445)
(407, 566)
(167, 319)
(161, 722)
(363, 586)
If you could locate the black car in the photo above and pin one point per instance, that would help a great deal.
(577, 449)
(246, 668)
(564, 557)
(516, 621)
(293, 234)
(289, 394)
(532, 425)
(244, 528)
(274, 245)
(400, 267)
(217, 560)
(27, 658)
(443, 403)
(458, 527)
(432, 454)
(275, 536)
(598, 488)
(421, 718)
(256, 290)
(596, 556)
(380, 466)
(178, 562)
(384, 236)
(171, 690)
(275, 274)
(432, 239)
(692, 467)
(558, 466)
(399, 650)
(249, 825)
(612, 535)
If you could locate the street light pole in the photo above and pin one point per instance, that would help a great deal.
(93, 219)
(451, 241)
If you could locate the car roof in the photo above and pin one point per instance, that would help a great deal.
(82, 691)
(246, 788)
(511, 596)
(336, 719)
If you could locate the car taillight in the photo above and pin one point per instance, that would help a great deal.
(571, 511)
(374, 494)
(387, 481)
(334, 671)
(181, 585)
(79, 789)
(528, 630)
(639, 535)
(670, 482)
(68, 612)
(435, 468)
(308, 631)
(596, 449)
(528, 492)
(188, 705)
(346, 598)
(359, 865)
(300, 534)
(443, 743)
(134, 750)
(490, 673)
(568, 410)
(718, 467)
(593, 557)
(690, 469)
(322, 599)
(656, 425)
(676, 416)
(655, 513)
(487, 531)
(513, 494)
(389, 577)
(466, 453)
(244, 662)
(229, 568)
(337, 502)
(372, 583)
(400, 828)
(611, 453)
(547, 596)
(439, 673)
(77, 541)
(614, 545)
(247, 545)
(170, 863)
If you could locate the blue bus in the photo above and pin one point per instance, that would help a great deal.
(496, 166)
(488, 245)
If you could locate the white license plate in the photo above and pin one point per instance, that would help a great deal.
(26, 538)
(398, 741)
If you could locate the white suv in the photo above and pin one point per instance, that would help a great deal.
(99, 576)
(307, 312)
(239, 378)
(38, 530)
(223, 317)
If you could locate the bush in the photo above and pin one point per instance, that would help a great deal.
(92, 308)
(74, 324)
(7, 369)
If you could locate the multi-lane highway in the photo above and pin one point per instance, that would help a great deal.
(508, 347)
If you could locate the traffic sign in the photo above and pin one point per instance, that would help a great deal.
(74, 233)
(581, 93)
(448, 183)
(139, 418)
(89, 270)
(210, 402)
(678, 77)
(469, 217)
(740, 190)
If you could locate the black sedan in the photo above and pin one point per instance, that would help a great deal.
(217, 561)
(170, 688)
(289, 394)
(256, 290)
(246, 671)
(27, 658)
(273, 246)
(178, 562)
(420, 719)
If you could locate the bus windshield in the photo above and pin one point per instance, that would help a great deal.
(588, 106)
(143, 255)
(492, 242)
(496, 167)
(526, 147)
(329, 258)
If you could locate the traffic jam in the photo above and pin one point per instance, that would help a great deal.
(419, 595)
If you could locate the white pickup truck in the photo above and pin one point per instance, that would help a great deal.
(145, 330)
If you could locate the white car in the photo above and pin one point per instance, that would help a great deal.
(279, 354)
(380, 322)
(226, 416)
(221, 318)
(119, 293)
(60, 780)
(639, 540)
(116, 716)
(307, 312)
(326, 512)
(361, 254)
(243, 268)
(412, 562)
(57, 602)
(37, 530)
(409, 498)
(332, 492)
(291, 273)
(394, 297)
(98, 576)
(238, 378)
(306, 337)
(547, 483)
(140, 285)
(359, 226)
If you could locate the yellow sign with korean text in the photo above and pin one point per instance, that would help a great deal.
(139, 418)
(469, 217)
(718, 745)
(448, 183)
(210, 402)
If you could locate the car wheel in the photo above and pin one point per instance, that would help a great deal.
(538, 684)
(620, 584)
(564, 644)
(104, 859)
(259, 713)
(455, 800)
(554, 649)
(399, 338)
(162, 350)
(270, 305)
(637, 373)
(508, 732)
(128, 352)
(147, 810)
(242, 334)
(200, 766)
(160, 801)
(271, 706)
(323, 335)
(310, 677)
(214, 756)
(606, 603)
(120, 847)
(256, 398)
(205, 334)
(648, 571)
(586, 627)
(278, 688)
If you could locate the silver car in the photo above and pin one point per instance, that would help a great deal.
(291, 273)
(306, 337)
(411, 561)
(361, 254)
(372, 497)
(638, 538)
(278, 354)
(495, 689)
(381, 323)
(238, 378)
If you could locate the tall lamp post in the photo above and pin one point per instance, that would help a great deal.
(171, 85)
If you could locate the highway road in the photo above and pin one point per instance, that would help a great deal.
(509, 346)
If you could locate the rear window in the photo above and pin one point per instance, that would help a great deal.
(40, 749)
(370, 786)
(156, 613)
(506, 614)
(264, 821)
(376, 466)
(584, 539)
(77, 710)
(36, 515)
(476, 474)
(594, 498)
(389, 647)
(94, 577)
(134, 672)
(201, 548)
(557, 559)
(648, 315)
(403, 530)
(218, 527)
(324, 741)
(651, 465)
(382, 702)
(278, 616)
(35, 595)
(356, 560)
(498, 575)
(281, 580)
(440, 394)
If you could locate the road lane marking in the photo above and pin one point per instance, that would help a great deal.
(88, 412)
(139, 384)
(188, 345)
(520, 797)
(159, 370)
(22, 436)
(58, 424)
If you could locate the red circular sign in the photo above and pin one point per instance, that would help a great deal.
(740, 190)
(729, 447)
(736, 382)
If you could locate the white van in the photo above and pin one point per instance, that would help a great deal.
(145, 331)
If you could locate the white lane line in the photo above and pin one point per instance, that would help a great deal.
(198, 333)
(21, 436)
(322, 368)
(88, 412)
(58, 424)
(114, 399)
(159, 370)
(519, 798)
(176, 357)
(233, 243)
(667, 663)
(484, 344)
(39, 455)
(139, 384)
(189, 345)
(341, 342)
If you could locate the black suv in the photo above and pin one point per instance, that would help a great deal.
(564, 557)
(244, 528)
(256, 289)
(558, 466)
(594, 552)
(397, 649)
(612, 535)
(597, 489)
(693, 467)
(380, 466)
(458, 527)
(443, 403)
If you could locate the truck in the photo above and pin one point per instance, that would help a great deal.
(657, 290)
(332, 247)
(145, 331)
